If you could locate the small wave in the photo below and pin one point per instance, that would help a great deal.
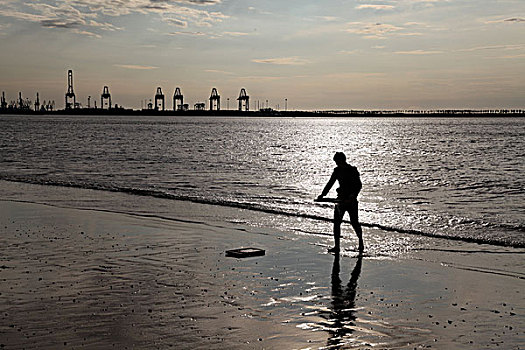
(492, 271)
(477, 240)
(264, 209)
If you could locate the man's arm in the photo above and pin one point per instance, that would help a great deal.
(359, 184)
(328, 186)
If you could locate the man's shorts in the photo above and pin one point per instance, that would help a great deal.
(351, 207)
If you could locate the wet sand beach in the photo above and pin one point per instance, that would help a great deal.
(74, 276)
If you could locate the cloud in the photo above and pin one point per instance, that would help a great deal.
(203, 2)
(506, 20)
(328, 18)
(135, 66)
(410, 34)
(292, 61)
(494, 47)
(178, 15)
(425, 3)
(418, 24)
(499, 49)
(104, 26)
(60, 23)
(58, 16)
(218, 71)
(80, 16)
(260, 12)
(125, 7)
(418, 52)
(349, 52)
(188, 33)
(176, 22)
(380, 30)
(87, 33)
(237, 33)
(373, 30)
(512, 56)
(515, 20)
(375, 7)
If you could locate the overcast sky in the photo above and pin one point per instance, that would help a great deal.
(331, 54)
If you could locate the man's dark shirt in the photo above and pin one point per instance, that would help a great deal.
(349, 182)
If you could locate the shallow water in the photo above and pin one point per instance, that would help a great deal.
(457, 178)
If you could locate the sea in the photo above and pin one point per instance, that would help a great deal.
(453, 178)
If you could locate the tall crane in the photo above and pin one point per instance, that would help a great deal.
(70, 94)
(215, 100)
(244, 100)
(105, 96)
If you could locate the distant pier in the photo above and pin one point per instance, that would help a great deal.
(268, 112)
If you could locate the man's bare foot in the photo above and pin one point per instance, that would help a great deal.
(333, 250)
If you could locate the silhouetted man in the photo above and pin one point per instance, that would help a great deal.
(349, 187)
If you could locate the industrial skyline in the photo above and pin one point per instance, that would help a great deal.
(157, 103)
(335, 54)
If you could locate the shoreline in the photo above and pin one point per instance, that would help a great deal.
(267, 211)
(75, 276)
(449, 113)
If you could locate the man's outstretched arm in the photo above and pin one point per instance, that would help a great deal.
(328, 186)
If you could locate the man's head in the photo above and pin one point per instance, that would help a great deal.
(339, 158)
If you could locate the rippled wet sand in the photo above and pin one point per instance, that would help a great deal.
(86, 279)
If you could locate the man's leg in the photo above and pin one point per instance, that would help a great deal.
(354, 220)
(338, 218)
(359, 233)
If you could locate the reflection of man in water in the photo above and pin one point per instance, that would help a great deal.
(343, 304)
(349, 187)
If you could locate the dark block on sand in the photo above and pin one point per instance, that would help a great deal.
(245, 252)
